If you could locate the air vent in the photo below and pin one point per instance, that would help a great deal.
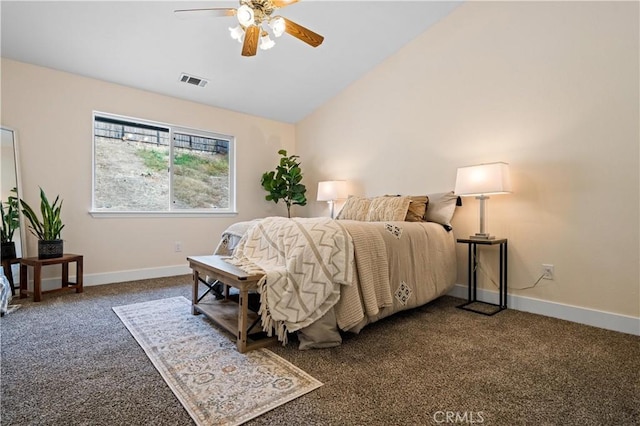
(191, 79)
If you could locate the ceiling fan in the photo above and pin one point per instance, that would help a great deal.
(251, 15)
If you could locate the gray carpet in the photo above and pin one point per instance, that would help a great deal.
(70, 361)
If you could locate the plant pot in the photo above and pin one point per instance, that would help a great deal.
(9, 250)
(50, 249)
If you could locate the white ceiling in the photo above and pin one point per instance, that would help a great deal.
(144, 45)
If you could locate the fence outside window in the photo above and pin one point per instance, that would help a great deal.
(144, 166)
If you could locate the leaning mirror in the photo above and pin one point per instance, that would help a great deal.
(13, 230)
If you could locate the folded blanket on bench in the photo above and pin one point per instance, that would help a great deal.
(305, 261)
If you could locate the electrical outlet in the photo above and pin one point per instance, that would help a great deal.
(178, 246)
(547, 271)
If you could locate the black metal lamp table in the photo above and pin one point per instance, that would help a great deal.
(472, 300)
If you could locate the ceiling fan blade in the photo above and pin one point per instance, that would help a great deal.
(302, 33)
(251, 37)
(204, 13)
(283, 3)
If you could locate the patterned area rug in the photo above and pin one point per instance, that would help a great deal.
(215, 383)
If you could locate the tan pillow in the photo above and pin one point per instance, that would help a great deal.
(388, 209)
(417, 208)
(355, 208)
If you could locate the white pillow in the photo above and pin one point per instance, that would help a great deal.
(441, 207)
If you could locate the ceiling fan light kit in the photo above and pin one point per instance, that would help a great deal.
(251, 16)
(277, 25)
(245, 15)
(237, 33)
(265, 41)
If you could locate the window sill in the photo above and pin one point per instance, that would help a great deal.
(106, 214)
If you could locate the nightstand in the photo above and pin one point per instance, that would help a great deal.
(473, 304)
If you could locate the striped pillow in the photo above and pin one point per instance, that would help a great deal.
(388, 209)
(355, 208)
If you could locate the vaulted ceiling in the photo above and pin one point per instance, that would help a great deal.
(144, 45)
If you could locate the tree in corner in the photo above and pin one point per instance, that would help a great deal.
(284, 183)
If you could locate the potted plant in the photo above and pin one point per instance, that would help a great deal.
(10, 222)
(48, 229)
(284, 182)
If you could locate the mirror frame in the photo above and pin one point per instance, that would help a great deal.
(16, 161)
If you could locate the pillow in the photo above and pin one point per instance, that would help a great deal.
(417, 208)
(388, 209)
(355, 208)
(441, 208)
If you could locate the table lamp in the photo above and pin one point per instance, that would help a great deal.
(330, 191)
(482, 180)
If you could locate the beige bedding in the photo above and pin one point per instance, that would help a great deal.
(420, 261)
(397, 266)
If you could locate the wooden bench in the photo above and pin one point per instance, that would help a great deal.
(233, 317)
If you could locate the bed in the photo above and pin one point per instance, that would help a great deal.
(380, 256)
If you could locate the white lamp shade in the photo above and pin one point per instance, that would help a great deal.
(278, 26)
(245, 15)
(483, 179)
(332, 190)
(237, 33)
(266, 43)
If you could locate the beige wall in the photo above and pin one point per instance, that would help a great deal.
(51, 112)
(552, 89)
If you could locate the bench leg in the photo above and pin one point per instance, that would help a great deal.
(243, 300)
(194, 294)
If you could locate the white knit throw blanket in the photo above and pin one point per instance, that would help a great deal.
(305, 260)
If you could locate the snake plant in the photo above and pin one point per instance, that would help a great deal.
(49, 228)
(10, 219)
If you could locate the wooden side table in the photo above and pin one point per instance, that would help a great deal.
(37, 265)
(6, 265)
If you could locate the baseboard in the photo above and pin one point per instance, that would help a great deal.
(595, 318)
(592, 317)
(118, 276)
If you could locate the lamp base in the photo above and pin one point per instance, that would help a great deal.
(330, 208)
(480, 236)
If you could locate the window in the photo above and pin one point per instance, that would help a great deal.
(141, 166)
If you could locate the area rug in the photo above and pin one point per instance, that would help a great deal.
(215, 383)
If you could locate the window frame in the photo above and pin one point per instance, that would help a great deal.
(171, 212)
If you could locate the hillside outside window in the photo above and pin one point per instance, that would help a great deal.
(144, 167)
